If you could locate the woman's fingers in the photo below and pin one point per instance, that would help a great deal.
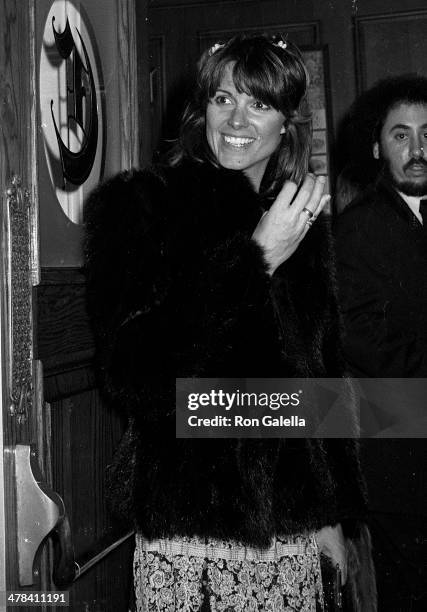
(310, 194)
(324, 200)
(314, 204)
(286, 195)
(309, 221)
(317, 194)
(305, 194)
(322, 203)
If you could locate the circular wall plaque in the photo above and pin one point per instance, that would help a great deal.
(70, 105)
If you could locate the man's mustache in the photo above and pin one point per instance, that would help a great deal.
(415, 162)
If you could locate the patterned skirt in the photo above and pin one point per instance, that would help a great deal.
(193, 574)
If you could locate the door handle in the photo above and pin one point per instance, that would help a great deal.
(39, 510)
(64, 566)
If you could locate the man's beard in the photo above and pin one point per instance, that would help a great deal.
(408, 187)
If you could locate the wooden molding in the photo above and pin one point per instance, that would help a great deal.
(360, 23)
(159, 44)
(64, 341)
(395, 16)
(178, 4)
(128, 85)
(32, 153)
(207, 37)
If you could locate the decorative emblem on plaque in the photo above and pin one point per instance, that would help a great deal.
(70, 105)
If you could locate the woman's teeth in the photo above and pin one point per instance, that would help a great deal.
(238, 142)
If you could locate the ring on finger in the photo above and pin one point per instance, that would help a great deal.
(308, 213)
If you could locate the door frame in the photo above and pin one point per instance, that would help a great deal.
(18, 158)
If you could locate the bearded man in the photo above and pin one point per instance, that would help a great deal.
(381, 242)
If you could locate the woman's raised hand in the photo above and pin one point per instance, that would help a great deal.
(281, 229)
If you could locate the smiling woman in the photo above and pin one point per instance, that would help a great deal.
(217, 266)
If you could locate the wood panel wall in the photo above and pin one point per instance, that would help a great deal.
(389, 44)
(82, 438)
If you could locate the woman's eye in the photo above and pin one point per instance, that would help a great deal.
(260, 105)
(400, 136)
(221, 99)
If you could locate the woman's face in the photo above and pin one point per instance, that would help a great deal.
(242, 132)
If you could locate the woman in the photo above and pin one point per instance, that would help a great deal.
(211, 266)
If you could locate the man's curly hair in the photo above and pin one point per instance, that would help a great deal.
(361, 127)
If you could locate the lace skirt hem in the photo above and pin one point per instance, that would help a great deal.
(193, 574)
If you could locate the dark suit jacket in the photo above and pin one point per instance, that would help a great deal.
(382, 279)
(382, 282)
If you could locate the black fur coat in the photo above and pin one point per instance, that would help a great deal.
(178, 288)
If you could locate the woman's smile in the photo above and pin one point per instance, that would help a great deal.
(237, 141)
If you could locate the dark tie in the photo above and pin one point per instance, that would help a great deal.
(423, 211)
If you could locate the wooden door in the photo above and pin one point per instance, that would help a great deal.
(68, 92)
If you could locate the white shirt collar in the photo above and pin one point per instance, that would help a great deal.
(414, 204)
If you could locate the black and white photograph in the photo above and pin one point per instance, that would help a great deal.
(213, 305)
